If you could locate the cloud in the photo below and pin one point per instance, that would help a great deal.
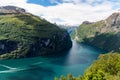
(54, 1)
(72, 1)
(11, 2)
(72, 12)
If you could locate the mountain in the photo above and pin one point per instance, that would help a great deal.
(11, 10)
(104, 34)
(25, 35)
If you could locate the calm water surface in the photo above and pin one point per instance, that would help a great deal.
(74, 61)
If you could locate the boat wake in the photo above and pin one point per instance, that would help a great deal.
(12, 69)
(8, 67)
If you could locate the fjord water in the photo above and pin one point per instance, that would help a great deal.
(74, 61)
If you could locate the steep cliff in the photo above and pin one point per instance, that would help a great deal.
(25, 35)
(104, 34)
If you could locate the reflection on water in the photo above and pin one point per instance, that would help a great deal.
(74, 57)
(74, 61)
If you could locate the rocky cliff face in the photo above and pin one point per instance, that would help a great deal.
(52, 45)
(104, 34)
(113, 21)
(26, 35)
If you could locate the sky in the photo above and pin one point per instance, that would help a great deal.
(67, 12)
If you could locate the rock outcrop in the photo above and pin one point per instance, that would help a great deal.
(87, 22)
(113, 21)
(11, 10)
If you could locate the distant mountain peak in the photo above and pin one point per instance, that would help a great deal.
(11, 10)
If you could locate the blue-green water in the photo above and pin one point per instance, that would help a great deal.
(74, 61)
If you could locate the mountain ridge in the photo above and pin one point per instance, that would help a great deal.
(104, 34)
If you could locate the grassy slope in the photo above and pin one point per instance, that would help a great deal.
(89, 30)
(98, 35)
(26, 25)
(25, 28)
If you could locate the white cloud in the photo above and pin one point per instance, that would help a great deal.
(66, 13)
(72, 1)
(11, 2)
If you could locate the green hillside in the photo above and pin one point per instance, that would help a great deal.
(26, 35)
(104, 34)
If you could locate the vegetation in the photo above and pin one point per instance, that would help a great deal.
(13, 25)
(99, 35)
(105, 41)
(107, 67)
(73, 35)
(89, 30)
(69, 77)
(26, 30)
